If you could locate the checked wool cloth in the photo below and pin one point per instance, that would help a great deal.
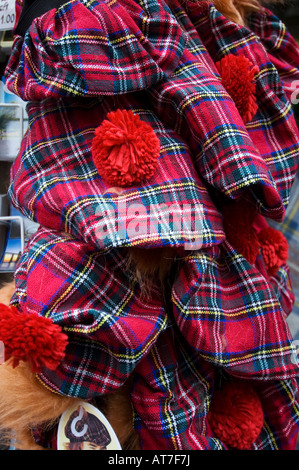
(74, 65)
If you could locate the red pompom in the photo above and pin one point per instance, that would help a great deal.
(236, 415)
(237, 74)
(274, 248)
(30, 338)
(238, 223)
(125, 149)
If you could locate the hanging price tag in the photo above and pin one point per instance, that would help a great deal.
(84, 427)
(7, 14)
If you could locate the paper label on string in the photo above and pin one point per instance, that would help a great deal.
(84, 427)
(7, 14)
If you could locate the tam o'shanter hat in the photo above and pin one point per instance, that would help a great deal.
(235, 158)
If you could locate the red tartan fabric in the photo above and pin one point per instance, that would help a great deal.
(227, 316)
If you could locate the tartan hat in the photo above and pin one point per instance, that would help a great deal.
(228, 313)
(208, 136)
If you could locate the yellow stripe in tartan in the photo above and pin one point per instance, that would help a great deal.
(284, 385)
(85, 37)
(236, 360)
(54, 180)
(212, 313)
(270, 435)
(169, 397)
(131, 356)
(269, 122)
(291, 400)
(194, 311)
(245, 184)
(135, 194)
(15, 86)
(237, 45)
(44, 247)
(104, 319)
(194, 49)
(227, 129)
(110, 3)
(37, 252)
(202, 379)
(282, 36)
(195, 98)
(288, 72)
(41, 79)
(283, 155)
(200, 20)
(71, 286)
(48, 142)
(41, 380)
(186, 67)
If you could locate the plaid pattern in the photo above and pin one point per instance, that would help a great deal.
(203, 139)
(227, 315)
(171, 368)
(225, 289)
(177, 356)
(97, 300)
